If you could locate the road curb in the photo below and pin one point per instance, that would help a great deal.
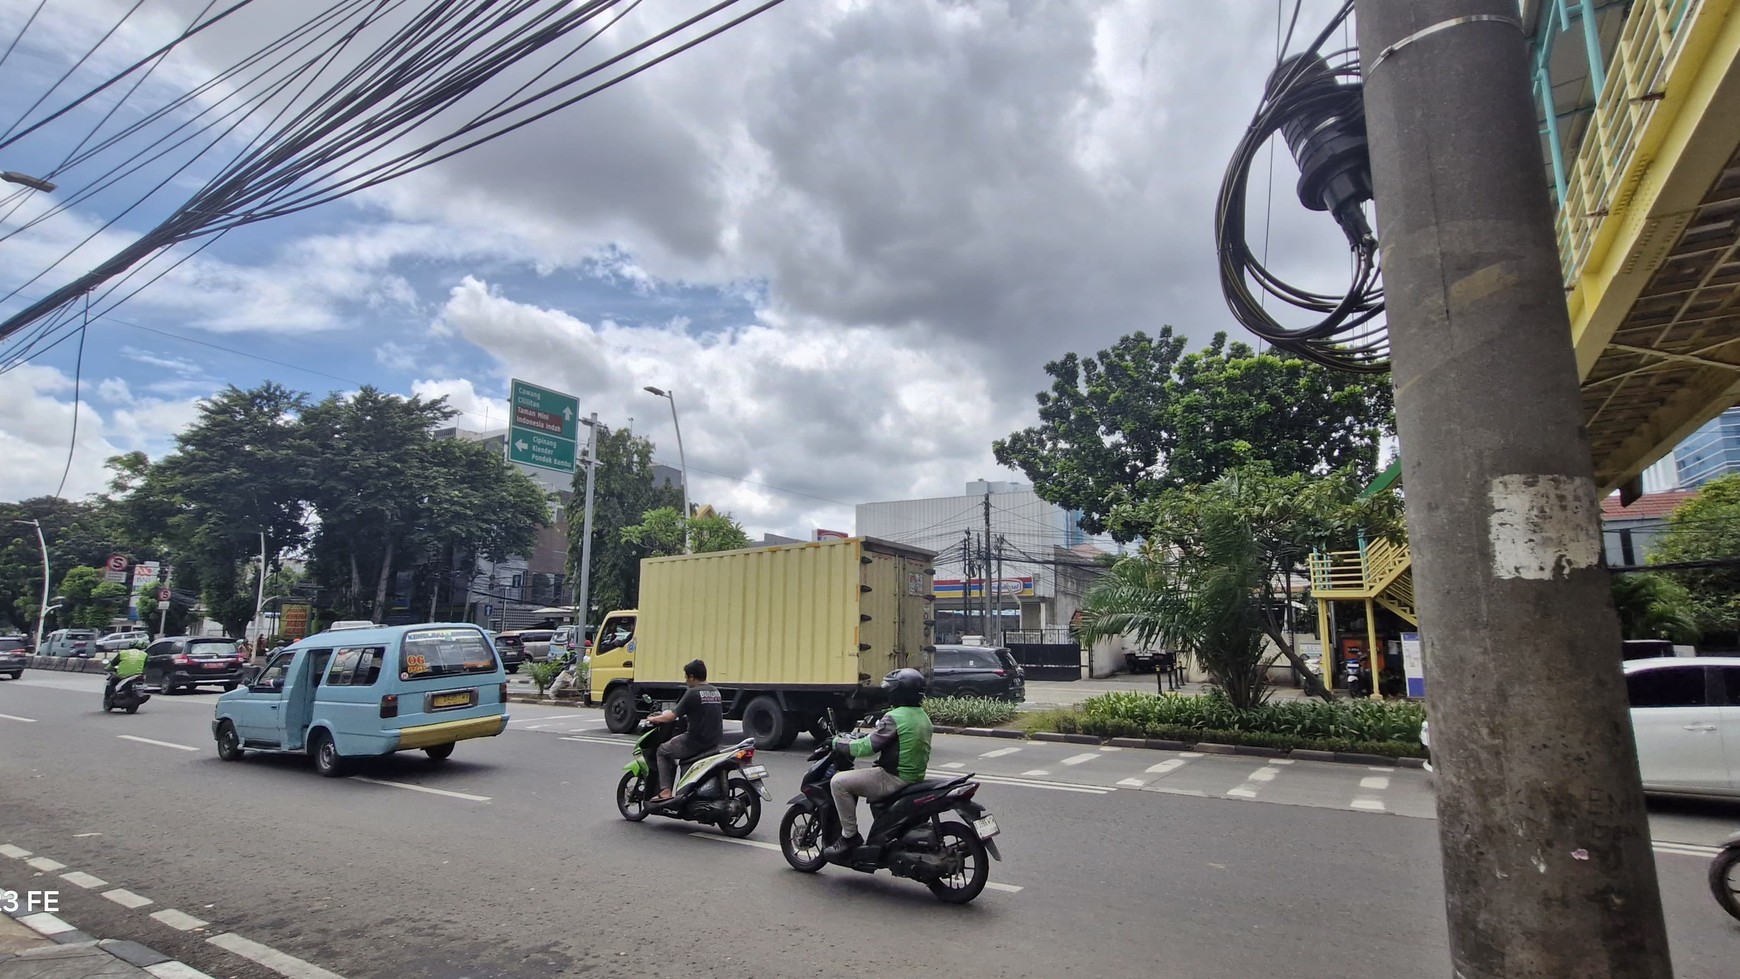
(1206, 747)
(71, 943)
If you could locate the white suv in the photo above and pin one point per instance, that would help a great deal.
(125, 639)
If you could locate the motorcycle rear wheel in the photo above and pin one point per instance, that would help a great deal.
(975, 872)
(631, 797)
(131, 708)
(802, 839)
(1725, 880)
(740, 790)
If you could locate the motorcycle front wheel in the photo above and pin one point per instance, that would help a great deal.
(1725, 880)
(802, 838)
(631, 797)
(959, 840)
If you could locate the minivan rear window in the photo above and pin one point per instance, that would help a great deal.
(428, 653)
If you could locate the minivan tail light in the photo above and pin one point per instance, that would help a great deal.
(1002, 672)
(504, 693)
(390, 705)
(180, 659)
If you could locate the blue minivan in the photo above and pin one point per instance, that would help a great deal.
(368, 692)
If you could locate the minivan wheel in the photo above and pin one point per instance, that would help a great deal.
(326, 757)
(439, 752)
(229, 743)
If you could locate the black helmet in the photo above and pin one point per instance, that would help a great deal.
(905, 687)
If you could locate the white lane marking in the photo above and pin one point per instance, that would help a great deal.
(535, 727)
(179, 920)
(989, 885)
(271, 958)
(1369, 805)
(84, 880)
(1111, 748)
(1685, 849)
(1078, 759)
(126, 898)
(1169, 765)
(1000, 752)
(16, 853)
(1242, 793)
(160, 744)
(44, 923)
(15, 717)
(1193, 793)
(422, 788)
(597, 741)
(955, 764)
(1190, 754)
(175, 970)
(1035, 784)
(1134, 783)
(80, 836)
(1254, 781)
(1264, 774)
(1282, 761)
(1378, 782)
(1379, 768)
(1036, 771)
(46, 865)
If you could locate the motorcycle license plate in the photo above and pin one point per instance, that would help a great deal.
(755, 771)
(985, 826)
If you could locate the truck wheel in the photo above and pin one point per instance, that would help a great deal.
(766, 723)
(619, 715)
(795, 723)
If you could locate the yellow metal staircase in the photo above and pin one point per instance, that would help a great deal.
(1380, 571)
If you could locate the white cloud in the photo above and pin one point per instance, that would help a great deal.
(38, 427)
(114, 389)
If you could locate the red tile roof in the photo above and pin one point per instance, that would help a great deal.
(1646, 506)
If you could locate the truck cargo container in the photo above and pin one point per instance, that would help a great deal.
(787, 633)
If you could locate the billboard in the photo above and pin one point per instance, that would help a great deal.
(1022, 587)
(293, 621)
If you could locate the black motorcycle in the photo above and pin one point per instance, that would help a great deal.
(127, 694)
(1725, 876)
(908, 834)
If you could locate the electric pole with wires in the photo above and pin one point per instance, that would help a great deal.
(1548, 870)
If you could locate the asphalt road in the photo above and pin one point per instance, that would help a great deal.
(511, 861)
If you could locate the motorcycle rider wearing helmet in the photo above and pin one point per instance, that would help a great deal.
(901, 747)
(127, 662)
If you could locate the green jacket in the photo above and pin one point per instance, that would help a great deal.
(129, 662)
(901, 743)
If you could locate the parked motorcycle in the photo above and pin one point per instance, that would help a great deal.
(723, 788)
(127, 694)
(909, 835)
(1725, 876)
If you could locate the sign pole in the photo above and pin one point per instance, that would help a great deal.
(581, 600)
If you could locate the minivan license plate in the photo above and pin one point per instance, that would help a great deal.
(459, 699)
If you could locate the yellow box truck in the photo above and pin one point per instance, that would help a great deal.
(787, 633)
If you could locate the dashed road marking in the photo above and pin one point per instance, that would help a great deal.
(271, 958)
(757, 844)
(44, 923)
(1369, 805)
(1078, 759)
(126, 898)
(1169, 765)
(422, 788)
(1254, 781)
(1242, 792)
(1134, 783)
(1377, 782)
(955, 764)
(175, 970)
(46, 865)
(1193, 793)
(1190, 754)
(1036, 771)
(80, 836)
(160, 744)
(16, 853)
(1111, 748)
(1264, 774)
(84, 880)
(1000, 752)
(597, 741)
(179, 920)
(1685, 849)
(1036, 784)
(15, 717)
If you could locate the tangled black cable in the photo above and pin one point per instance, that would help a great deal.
(1314, 102)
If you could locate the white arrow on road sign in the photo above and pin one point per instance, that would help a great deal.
(521, 445)
(568, 413)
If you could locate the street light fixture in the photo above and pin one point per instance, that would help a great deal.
(26, 180)
(42, 543)
(681, 459)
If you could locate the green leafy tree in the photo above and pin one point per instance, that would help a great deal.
(1211, 576)
(476, 506)
(661, 532)
(1703, 537)
(91, 602)
(624, 493)
(77, 532)
(1654, 606)
(1143, 418)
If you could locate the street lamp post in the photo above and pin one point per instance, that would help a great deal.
(26, 180)
(42, 612)
(681, 459)
(260, 596)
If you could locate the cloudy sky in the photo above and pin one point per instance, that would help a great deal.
(847, 235)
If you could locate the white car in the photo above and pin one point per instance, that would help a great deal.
(125, 639)
(1685, 716)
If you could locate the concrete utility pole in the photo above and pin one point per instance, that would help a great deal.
(1547, 863)
(986, 590)
(584, 595)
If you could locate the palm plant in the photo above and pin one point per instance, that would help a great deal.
(1652, 606)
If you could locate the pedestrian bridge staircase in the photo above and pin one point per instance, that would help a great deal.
(1380, 570)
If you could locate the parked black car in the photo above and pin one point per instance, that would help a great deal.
(187, 662)
(511, 649)
(14, 656)
(978, 671)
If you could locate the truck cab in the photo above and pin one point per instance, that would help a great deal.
(613, 651)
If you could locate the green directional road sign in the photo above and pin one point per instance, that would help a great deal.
(544, 429)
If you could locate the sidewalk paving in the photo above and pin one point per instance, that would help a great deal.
(41, 946)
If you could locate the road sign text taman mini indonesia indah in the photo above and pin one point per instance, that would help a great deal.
(544, 427)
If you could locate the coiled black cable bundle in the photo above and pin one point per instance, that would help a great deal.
(1316, 104)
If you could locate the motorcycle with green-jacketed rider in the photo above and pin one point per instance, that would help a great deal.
(719, 787)
(909, 834)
